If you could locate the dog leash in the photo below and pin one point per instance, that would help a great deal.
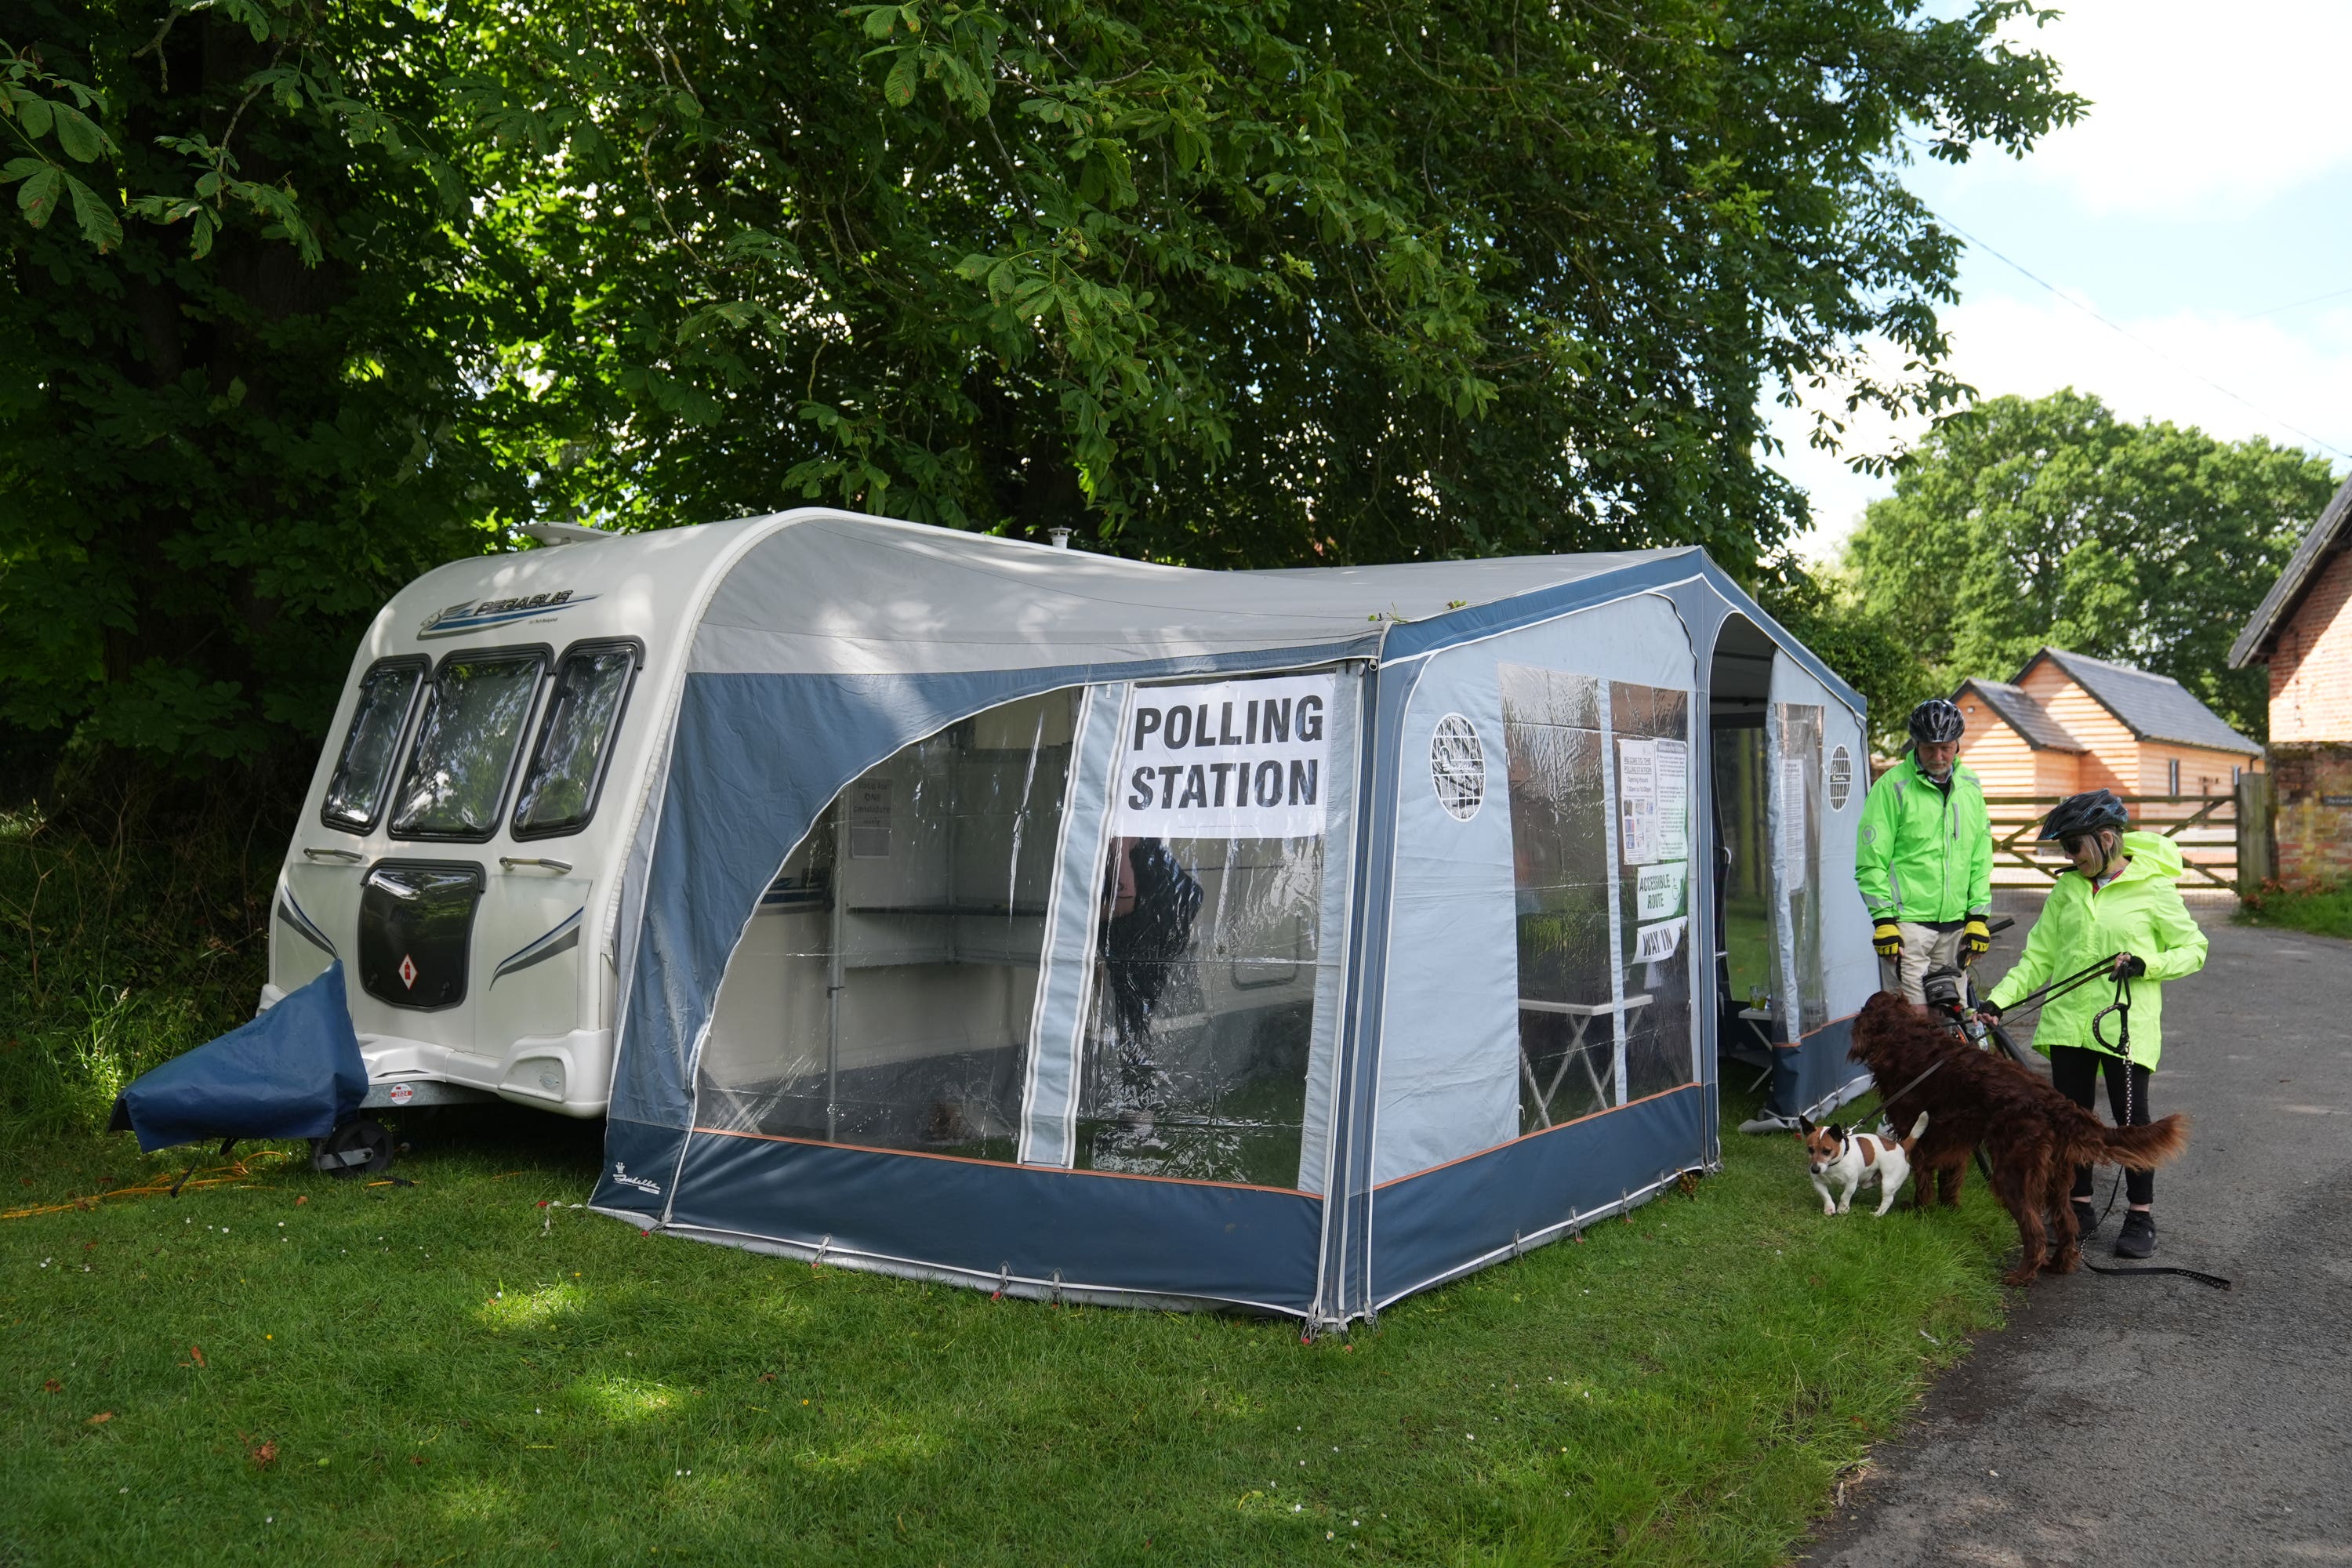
(2059, 987)
(2121, 1047)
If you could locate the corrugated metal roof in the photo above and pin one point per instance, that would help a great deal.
(2277, 605)
(2018, 708)
(2152, 707)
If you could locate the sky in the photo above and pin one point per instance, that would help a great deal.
(2202, 206)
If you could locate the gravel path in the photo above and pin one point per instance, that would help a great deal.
(2146, 1421)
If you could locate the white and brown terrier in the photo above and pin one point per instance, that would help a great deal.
(1854, 1160)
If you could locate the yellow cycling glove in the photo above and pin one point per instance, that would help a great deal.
(1888, 939)
(1975, 940)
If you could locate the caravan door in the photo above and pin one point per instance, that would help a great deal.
(533, 952)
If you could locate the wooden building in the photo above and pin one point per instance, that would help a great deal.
(2070, 723)
(2303, 632)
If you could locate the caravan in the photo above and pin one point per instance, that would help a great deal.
(1066, 925)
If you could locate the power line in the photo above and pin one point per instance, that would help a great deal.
(2126, 332)
(2299, 304)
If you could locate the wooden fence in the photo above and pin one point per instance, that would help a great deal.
(2218, 833)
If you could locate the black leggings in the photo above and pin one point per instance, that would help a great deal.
(2075, 1071)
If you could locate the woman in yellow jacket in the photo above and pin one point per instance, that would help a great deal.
(2118, 904)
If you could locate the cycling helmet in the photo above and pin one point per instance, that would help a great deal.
(1936, 720)
(2085, 813)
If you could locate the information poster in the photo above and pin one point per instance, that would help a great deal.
(1637, 801)
(869, 820)
(1673, 799)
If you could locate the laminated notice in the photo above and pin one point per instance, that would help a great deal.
(1658, 890)
(1654, 943)
(1637, 801)
(869, 820)
(1228, 759)
(1673, 800)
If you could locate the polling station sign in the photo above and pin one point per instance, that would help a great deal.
(1228, 759)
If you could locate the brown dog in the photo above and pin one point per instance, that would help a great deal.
(2033, 1136)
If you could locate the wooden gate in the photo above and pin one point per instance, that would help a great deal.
(2204, 826)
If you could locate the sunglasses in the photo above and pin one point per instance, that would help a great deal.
(2076, 843)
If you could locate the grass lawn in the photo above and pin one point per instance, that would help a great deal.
(449, 1373)
(2325, 912)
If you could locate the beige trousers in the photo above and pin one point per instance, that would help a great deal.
(1924, 948)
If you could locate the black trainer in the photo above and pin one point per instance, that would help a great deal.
(2086, 1218)
(2137, 1238)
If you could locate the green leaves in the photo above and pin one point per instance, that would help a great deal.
(98, 225)
(2022, 523)
(1213, 281)
(37, 197)
(83, 141)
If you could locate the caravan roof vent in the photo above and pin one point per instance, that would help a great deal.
(554, 533)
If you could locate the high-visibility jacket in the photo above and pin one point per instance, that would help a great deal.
(2139, 913)
(1924, 853)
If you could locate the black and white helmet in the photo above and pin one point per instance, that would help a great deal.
(2090, 812)
(1936, 720)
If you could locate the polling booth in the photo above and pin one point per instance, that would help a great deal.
(1283, 940)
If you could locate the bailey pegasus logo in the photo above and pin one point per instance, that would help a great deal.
(621, 1174)
(478, 615)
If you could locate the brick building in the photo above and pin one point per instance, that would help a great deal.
(2303, 633)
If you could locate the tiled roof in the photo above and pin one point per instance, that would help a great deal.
(2326, 534)
(2017, 707)
(2152, 707)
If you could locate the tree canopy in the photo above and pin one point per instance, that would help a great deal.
(2021, 523)
(303, 299)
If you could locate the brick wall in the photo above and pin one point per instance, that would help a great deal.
(2311, 662)
(2314, 781)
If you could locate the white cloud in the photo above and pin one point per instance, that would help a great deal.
(2195, 107)
(2292, 375)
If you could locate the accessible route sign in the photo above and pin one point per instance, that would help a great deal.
(1228, 759)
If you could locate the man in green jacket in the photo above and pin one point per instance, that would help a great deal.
(1925, 856)
(2119, 906)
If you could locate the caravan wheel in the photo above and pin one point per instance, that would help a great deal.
(360, 1147)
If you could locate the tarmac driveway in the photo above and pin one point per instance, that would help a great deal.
(2159, 1421)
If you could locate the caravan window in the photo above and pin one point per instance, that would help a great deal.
(465, 743)
(387, 697)
(575, 740)
(882, 994)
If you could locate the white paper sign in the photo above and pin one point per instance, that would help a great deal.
(1673, 800)
(1658, 890)
(869, 820)
(1655, 943)
(1228, 759)
(1791, 846)
(1637, 801)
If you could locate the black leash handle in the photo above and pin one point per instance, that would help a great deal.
(2215, 1280)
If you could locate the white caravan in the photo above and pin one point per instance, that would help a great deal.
(463, 842)
(460, 844)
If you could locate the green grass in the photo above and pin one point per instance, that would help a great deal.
(2322, 912)
(451, 1374)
